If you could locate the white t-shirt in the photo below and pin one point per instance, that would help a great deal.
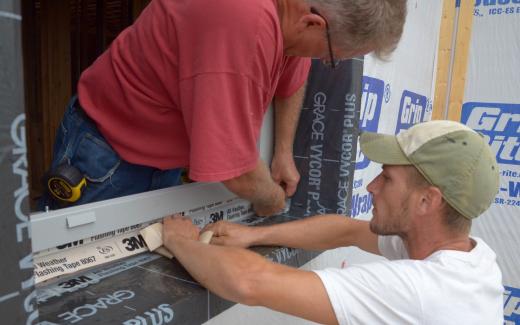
(448, 287)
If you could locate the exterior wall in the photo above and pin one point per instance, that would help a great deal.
(17, 295)
(492, 107)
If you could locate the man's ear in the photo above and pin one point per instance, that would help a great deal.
(310, 20)
(430, 200)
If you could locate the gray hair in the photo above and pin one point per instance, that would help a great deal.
(354, 24)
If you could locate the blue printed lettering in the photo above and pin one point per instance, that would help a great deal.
(500, 125)
(495, 2)
(511, 305)
(411, 110)
(371, 101)
(514, 189)
(361, 203)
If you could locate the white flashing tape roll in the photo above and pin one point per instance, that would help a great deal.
(153, 237)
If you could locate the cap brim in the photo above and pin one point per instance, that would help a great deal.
(382, 148)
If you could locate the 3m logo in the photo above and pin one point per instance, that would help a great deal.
(500, 124)
(412, 110)
(371, 101)
(134, 242)
(216, 216)
(79, 281)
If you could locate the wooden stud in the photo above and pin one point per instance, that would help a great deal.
(31, 63)
(460, 63)
(138, 6)
(443, 59)
(100, 27)
(55, 69)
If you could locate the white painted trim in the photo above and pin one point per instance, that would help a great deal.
(50, 229)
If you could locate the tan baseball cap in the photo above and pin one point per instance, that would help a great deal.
(450, 155)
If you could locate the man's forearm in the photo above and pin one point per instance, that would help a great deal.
(318, 233)
(258, 187)
(287, 113)
(283, 168)
(223, 270)
(242, 276)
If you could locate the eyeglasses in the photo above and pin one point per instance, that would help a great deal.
(332, 62)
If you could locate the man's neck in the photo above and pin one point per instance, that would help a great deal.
(420, 246)
(283, 11)
(289, 11)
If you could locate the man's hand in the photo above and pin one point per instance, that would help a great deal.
(259, 188)
(231, 234)
(287, 113)
(284, 173)
(177, 227)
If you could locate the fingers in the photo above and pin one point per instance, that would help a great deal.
(290, 188)
(173, 217)
(224, 233)
(215, 240)
(218, 228)
(208, 227)
(179, 226)
(228, 241)
(292, 184)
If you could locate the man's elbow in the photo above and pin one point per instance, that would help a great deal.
(241, 186)
(246, 292)
(248, 286)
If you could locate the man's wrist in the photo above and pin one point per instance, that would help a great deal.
(283, 150)
(258, 235)
(173, 242)
(270, 195)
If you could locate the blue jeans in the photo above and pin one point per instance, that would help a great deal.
(79, 143)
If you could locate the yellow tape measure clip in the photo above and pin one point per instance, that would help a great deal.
(66, 183)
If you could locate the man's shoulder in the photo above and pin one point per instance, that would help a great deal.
(228, 11)
(480, 255)
(481, 245)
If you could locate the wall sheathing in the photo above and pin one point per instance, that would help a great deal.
(492, 106)
(17, 295)
(398, 93)
(395, 95)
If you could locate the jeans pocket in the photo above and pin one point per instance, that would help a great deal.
(95, 158)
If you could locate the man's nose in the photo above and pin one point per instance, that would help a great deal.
(374, 185)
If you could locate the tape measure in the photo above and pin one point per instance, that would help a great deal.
(65, 183)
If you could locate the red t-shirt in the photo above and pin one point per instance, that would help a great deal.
(188, 85)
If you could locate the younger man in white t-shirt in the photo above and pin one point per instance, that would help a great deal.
(437, 176)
